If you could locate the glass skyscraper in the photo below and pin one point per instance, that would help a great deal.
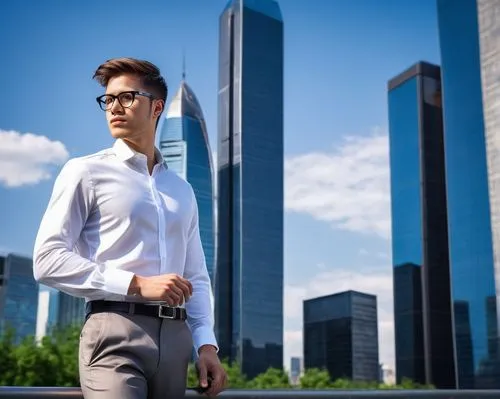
(56, 309)
(341, 335)
(422, 309)
(249, 273)
(18, 296)
(470, 54)
(71, 310)
(185, 147)
(295, 370)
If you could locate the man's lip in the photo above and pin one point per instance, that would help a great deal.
(117, 120)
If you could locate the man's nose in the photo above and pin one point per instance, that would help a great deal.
(116, 107)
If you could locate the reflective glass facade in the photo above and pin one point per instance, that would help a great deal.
(71, 310)
(489, 33)
(249, 274)
(18, 295)
(469, 151)
(185, 147)
(422, 308)
(341, 335)
(295, 369)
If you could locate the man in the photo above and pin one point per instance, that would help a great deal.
(121, 230)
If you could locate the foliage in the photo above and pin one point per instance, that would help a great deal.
(54, 362)
(7, 358)
(236, 380)
(271, 379)
(51, 362)
(315, 379)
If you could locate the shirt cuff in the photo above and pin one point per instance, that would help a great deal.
(117, 281)
(204, 336)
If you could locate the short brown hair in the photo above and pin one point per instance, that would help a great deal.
(145, 70)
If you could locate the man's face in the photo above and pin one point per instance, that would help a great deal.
(133, 119)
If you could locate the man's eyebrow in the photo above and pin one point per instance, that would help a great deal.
(122, 91)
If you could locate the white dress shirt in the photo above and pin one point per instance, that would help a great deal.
(108, 219)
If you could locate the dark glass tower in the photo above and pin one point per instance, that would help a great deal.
(422, 308)
(341, 335)
(470, 55)
(185, 147)
(249, 273)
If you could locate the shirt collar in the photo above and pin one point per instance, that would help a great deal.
(124, 152)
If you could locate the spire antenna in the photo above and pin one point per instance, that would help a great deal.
(183, 64)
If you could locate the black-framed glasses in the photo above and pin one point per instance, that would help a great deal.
(125, 98)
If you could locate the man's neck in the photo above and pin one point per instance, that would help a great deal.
(144, 147)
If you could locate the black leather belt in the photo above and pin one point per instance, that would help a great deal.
(160, 311)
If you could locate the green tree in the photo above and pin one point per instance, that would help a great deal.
(61, 347)
(192, 378)
(51, 362)
(7, 359)
(315, 378)
(343, 383)
(406, 383)
(272, 378)
(33, 367)
(387, 386)
(236, 380)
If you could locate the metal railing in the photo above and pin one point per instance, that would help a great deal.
(75, 393)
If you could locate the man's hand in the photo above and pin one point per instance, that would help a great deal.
(171, 288)
(209, 364)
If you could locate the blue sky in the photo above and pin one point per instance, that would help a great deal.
(339, 55)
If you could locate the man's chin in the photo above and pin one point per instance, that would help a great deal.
(119, 133)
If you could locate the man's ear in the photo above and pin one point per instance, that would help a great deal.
(159, 105)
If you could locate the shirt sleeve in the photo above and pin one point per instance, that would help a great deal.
(55, 263)
(200, 307)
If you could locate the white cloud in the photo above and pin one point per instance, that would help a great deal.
(26, 158)
(381, 255)
(363, 252)
(372, 281)
(348, 187)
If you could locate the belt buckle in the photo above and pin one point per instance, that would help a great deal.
(164, 315)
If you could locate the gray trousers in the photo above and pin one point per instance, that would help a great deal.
(124, 356)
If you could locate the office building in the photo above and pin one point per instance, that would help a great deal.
(469, 33)
(18, 296)
(71, 310)
(249, 272)
(341, 335)
(185, 147)
(295, 370)
(422, 308)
